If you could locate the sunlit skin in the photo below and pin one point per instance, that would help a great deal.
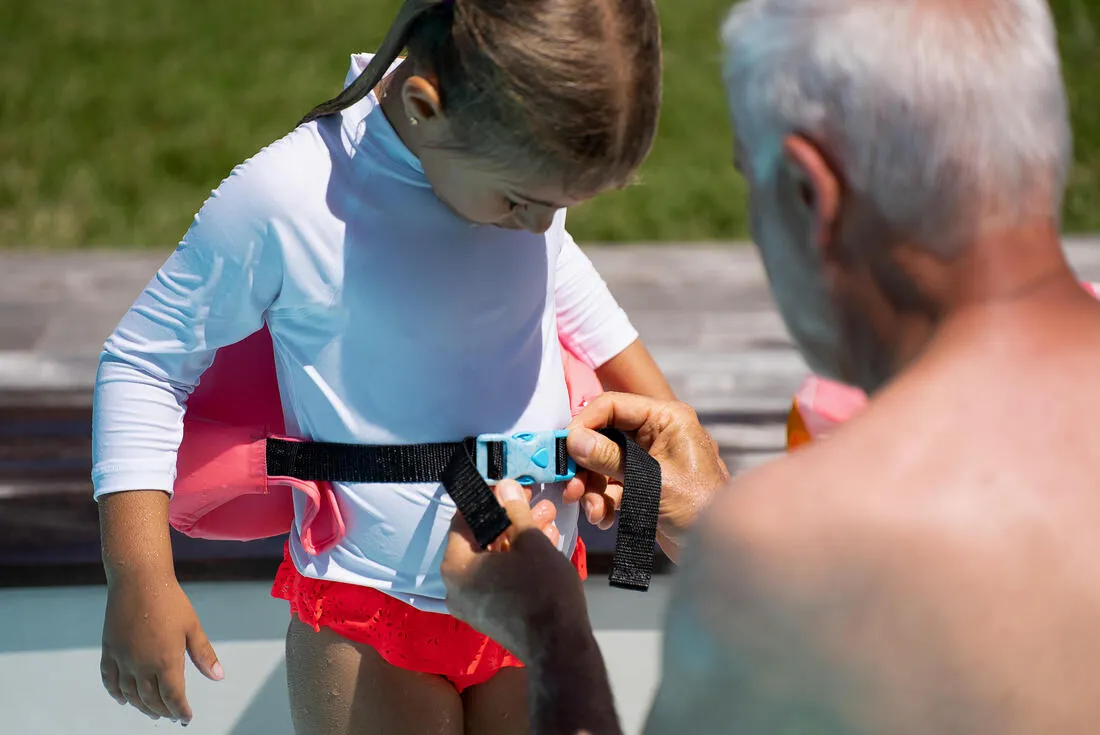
(143, 665)
(481, 192)
(930, 567)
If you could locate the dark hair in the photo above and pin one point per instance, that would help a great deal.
(571, 87)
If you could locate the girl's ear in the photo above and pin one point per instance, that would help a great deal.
(396, 39)
(421, 100)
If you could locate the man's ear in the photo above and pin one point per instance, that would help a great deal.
(420, 97)
(818, 187)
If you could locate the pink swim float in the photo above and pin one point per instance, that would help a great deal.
(821, 405)
(222, 489)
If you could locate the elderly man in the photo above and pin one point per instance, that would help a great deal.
(933, 566)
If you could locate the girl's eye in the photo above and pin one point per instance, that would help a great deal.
(512, 206)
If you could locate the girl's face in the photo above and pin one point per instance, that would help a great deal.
(485, 195)
(479, 191)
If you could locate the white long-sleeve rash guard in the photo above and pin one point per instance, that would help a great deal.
(393, 320)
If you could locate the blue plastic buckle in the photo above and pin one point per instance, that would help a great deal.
(529, 458)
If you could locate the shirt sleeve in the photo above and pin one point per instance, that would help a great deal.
(213, 291)
(591, 324)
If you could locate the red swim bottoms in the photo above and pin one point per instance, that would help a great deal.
(411, 639)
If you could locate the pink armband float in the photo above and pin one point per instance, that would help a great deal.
(821, 405)
(222, 489)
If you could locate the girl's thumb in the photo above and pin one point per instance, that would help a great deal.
(203, 656)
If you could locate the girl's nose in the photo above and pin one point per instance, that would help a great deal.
(537, 219)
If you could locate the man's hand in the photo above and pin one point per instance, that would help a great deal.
(691, 467)
(511, 594)
(529, 599)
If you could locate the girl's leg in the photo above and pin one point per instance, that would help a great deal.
(338, 687)
(499, 706)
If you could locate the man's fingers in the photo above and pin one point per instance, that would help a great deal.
(599, 508)
(575, 488)
(612, 499)
(461, 544)
(515, 499)
(591, 502)
(595, 452)
(596, 483)
(607, 520)
(625, 411)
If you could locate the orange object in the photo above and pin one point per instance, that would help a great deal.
(797, 433)
(821, 405)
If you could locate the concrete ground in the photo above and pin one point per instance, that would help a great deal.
(49, 660)
(703, 310)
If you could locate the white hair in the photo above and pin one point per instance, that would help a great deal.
(946, 116)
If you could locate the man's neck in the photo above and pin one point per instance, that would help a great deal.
(992, 277)
(1007, 265)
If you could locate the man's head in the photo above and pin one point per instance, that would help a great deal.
(876, 135)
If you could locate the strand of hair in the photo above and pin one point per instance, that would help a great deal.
(392, 45)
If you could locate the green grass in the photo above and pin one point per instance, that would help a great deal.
(117, 117)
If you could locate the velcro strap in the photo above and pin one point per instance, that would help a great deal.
(335, 462)
(636, 540)
(450, 463)
(495, 451)
(561, 459)
(473, 497)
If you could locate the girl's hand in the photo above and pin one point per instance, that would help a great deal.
(148, 625)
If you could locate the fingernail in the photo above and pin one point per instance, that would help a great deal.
(510, 492)
(590, 506)
(217, 671)
(585, 443)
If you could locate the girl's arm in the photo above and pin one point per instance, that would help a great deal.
(213, 291)
(595, 328)
(634, 371)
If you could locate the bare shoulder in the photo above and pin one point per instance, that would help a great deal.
(739, 652)
(782, 509)
(780, 541)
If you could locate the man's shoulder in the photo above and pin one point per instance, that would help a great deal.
(786, 498)
(791, 526)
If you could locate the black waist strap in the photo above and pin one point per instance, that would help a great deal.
(332, 462)
(636, 540)
(452, 464)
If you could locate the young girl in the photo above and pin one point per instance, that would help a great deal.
(405, 247)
